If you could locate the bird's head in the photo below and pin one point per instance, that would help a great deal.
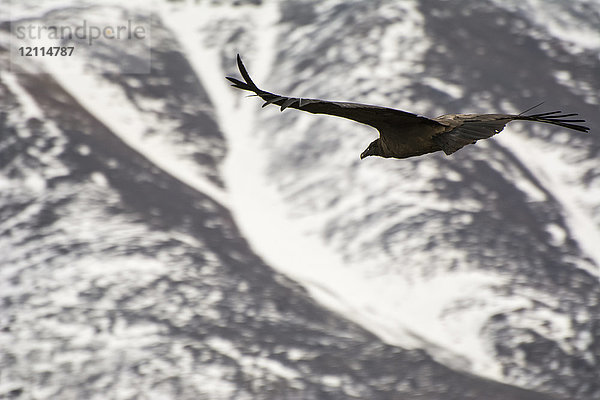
(374, 149)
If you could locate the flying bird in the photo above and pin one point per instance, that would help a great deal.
(403, 134)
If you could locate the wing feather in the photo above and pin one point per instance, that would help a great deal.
(376, 116)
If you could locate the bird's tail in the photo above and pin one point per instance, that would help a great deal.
(555, 118)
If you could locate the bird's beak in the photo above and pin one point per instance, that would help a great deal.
(363, 154)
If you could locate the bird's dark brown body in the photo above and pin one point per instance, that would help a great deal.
(414, 142)
(403, 134)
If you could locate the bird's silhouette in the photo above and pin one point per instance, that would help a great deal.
(403, 134)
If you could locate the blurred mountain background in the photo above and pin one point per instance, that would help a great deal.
(163, 237)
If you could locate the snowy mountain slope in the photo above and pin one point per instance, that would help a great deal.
(120, 281)
(495, 277)
(492, 230)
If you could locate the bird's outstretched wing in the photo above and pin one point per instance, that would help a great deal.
(464, 129)
(378, 117)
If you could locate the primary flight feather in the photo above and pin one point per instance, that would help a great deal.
(403, 134)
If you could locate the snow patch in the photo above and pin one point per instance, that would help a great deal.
(557, 234)
(252, 365)
(99, 179)
(29, 106)
(557, 175)
(132, 126)
(454, 91)
(572, 22)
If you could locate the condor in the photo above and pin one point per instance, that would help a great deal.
(403, 134)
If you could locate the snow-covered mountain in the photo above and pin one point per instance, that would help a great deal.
(163, 237)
